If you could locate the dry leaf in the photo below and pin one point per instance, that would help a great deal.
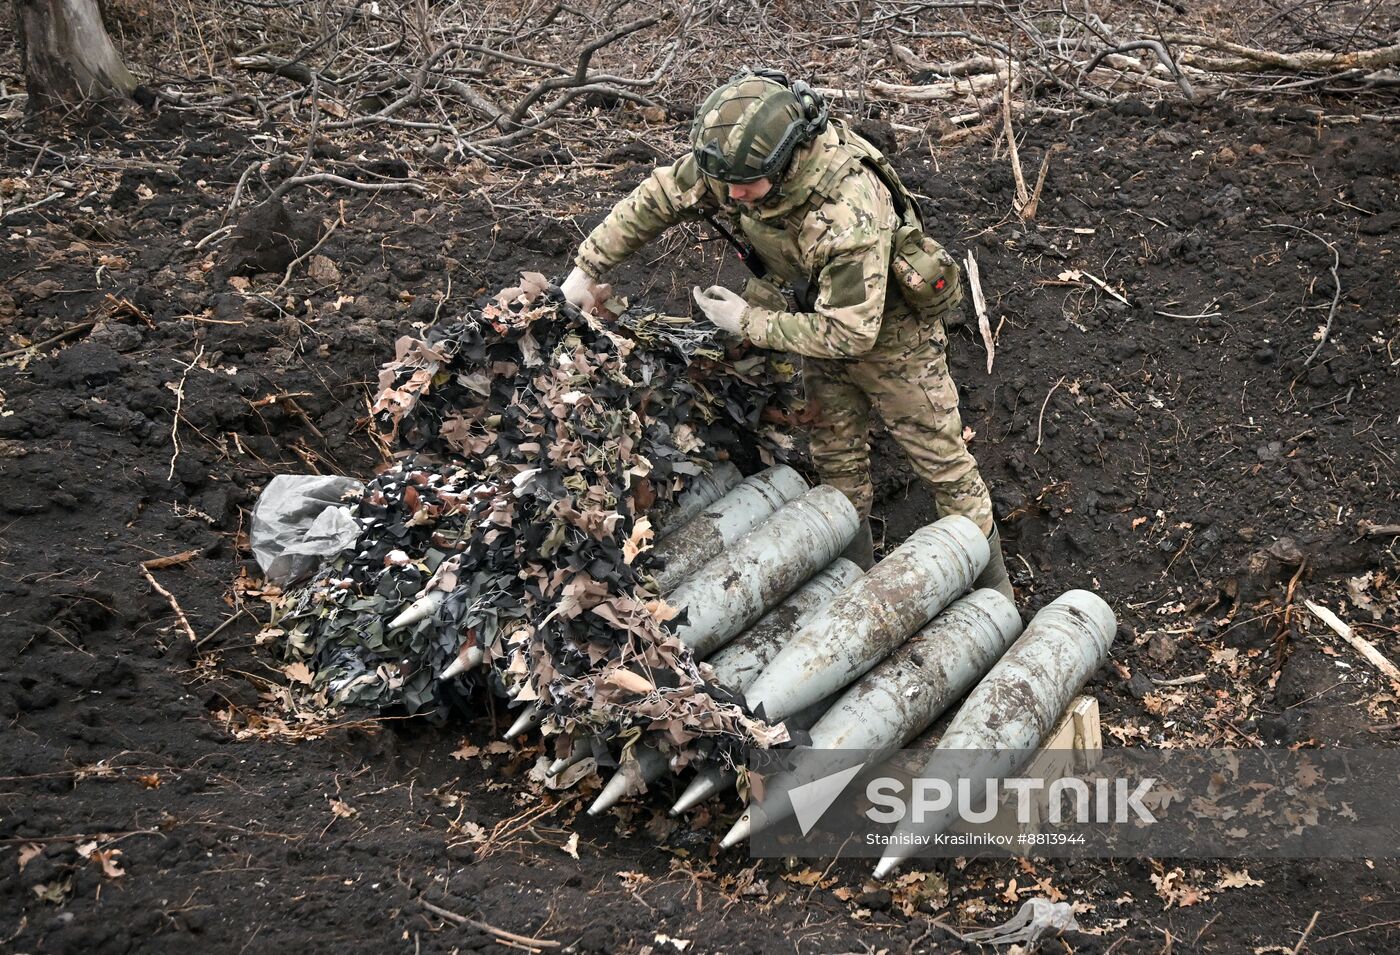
(298, 673)
(107, 858)
(805, 877)
(343, 809)
(471, 831)
(151, 781)
(27, 854)
(467, 750)
(571, 847)
(1237, 880)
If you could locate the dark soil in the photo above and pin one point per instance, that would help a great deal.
(1182, 467)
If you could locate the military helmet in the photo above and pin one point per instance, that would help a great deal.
(749, 128)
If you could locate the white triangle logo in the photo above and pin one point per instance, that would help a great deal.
(810, 801)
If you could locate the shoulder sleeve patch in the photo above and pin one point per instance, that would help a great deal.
(846, 283)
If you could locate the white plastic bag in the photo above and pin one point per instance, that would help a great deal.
(1037, 919)
(299, 521)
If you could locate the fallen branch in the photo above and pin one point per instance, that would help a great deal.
(174, 560)
(33, 205)
(1031, 208)
(1162, 57)
(1249, 59)
(288, 69)
(180, 617)
(62, 336)
(979, 305)
(580, 78)
(1358, 643)
(1023, 198)
(1312, 923)
(498, 932)
(179, 405)
(331, 179)
(1103, 285)
(1040, 421)
(223, 626)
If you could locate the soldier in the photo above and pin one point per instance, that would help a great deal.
(825, 214)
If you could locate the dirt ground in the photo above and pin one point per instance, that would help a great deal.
(1172, 453)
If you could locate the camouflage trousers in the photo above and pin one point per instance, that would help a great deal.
(905, 380)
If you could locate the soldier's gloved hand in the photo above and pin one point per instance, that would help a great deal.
(722, 307)
(584, 292)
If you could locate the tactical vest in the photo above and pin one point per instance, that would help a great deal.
(922, 270)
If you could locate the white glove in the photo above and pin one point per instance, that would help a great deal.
(722, 307)
(584, 292)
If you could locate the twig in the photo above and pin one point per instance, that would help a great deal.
(334, 180)
(287, 276)
(220, 628)
(1358, 643)
(1182, 680)
(1103, 285)
(175, 420)
(1336, 285)
(33, 205)
(1040, 422)
(73, 332)
(174, 560)
(1306, 932)
(498, 932)
(174, 604)
(1029, 212)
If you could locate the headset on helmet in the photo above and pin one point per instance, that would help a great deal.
(738, 165)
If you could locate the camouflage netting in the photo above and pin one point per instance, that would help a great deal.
(537, 446)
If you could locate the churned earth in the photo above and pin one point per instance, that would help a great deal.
(1149, 427)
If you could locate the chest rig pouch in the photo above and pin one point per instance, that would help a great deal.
(922, 271)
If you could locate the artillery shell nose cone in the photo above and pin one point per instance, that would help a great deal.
(526, 721)
(411, 615)
(557, 767)
(422, 608)
(612, 793)
(739, 833)
(701, 788)
(886, 866)
(466, 660)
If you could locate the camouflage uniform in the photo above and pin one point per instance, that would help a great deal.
(831, 223)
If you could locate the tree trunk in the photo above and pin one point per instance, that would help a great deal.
(69, 61)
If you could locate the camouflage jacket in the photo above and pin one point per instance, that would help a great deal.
(832, 225)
